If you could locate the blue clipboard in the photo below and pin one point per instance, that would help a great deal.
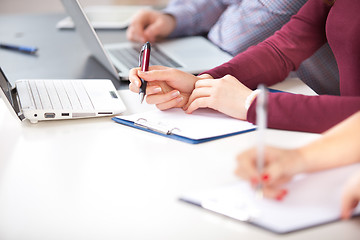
(170, 134)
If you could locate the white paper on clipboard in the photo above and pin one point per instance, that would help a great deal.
(313, 199)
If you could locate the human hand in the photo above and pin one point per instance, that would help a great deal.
(226, 95)
(351, 196)
(279, 167)
(150, 25)
(166, 87)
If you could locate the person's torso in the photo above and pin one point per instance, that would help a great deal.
(247, 22)
(343, 33)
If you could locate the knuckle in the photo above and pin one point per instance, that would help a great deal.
(198, 83)
(214, 93)
(221, 80)
(226, 78)
(195, 92)
(131, 86)
(132, 71)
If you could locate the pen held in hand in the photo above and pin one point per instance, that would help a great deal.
(261, 122)
(144, 60)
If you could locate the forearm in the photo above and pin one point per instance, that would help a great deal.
(194, 17)
(338, 146)
(259, 64)
(271, 61)
(296, 112)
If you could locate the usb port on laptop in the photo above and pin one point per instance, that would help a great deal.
(105, 113)
(49, 115)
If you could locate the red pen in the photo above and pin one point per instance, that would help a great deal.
(144, 60)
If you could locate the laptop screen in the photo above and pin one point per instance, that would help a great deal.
(9, 93)
(6, 87)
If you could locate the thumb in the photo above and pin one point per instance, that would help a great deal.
(272, 173)
(281, 165)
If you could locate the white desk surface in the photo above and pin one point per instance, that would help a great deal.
(96, 179)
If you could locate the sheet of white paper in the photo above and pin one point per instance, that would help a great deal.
(203, 123)
(313, 199)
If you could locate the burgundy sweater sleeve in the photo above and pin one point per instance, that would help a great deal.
(271, 61)
(298, 112)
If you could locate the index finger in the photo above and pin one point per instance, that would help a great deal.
(351, 196)
(347, 205)
(158, 73)
(134, 79)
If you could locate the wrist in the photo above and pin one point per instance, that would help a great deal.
(301, 161)
(250, 98)
(205, 76)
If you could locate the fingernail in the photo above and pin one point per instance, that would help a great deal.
(175, 94)
(138, 83)
(254, 180)
(281, 195)
(265, 177)
(284, 192)
(157, 90)
(179, 99)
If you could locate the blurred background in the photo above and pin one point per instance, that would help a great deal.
(48, 6)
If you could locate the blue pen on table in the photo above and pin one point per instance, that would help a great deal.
(23, 49)
(144, 60)
(261, 122)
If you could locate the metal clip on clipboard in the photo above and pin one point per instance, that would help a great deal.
(156, 127)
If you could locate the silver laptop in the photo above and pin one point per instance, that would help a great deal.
(191, 54)
(41, 99)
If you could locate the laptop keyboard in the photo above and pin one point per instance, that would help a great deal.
(130, 57)
(54, 94)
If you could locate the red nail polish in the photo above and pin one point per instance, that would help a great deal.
(284, 192)
(265, 177)
(281, 195)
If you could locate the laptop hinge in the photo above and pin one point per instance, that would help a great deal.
(16, 104)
